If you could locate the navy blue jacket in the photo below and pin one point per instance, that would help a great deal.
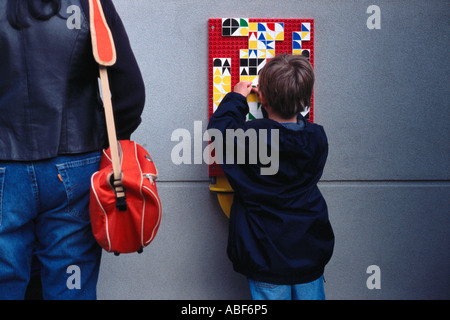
(279, 227)
(49, 98)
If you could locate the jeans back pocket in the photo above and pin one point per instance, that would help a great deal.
(76, 176)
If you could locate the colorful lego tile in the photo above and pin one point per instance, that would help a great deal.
(252, 62)
(252, 98)
(261, 45)
(255, 82)
(261, 65)
(279, 26)
(253, 53)
(296, 41)
(270, 26)
(229, 26)
(306, 36)
(243, 32)
(262, 26)
(274, 26)
(297, 36)
(243, 22)
(306, 53)
(306, 26)
(243, 78)
(278, 31)
(255, 111)
(243, 70)
(243, 73)
(296, 45)
(235, 27)
(218, 88)
(243, 53)
(254, 66)
(221, 79)
(267, 34)
(279, 36)
(226, 67)
(222, 62)
(253, 27)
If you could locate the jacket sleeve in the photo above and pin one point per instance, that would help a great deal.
(125, 78)
(127, 84)
(230, 114)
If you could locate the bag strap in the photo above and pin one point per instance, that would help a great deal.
(102, 40)
(105, 54)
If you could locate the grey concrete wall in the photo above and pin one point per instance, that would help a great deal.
(383, 98)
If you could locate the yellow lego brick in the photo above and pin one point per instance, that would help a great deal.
(279, 36)
(253, 27)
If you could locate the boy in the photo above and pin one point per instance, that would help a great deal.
(280, 236)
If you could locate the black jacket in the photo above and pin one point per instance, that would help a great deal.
(279, 227)
(49, 99)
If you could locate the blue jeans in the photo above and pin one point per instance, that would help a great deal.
(305, 291)
(44, 209)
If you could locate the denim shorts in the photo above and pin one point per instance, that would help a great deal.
(44, 211)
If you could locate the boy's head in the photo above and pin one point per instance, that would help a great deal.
(286, 83)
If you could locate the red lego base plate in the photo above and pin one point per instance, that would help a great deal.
(240, 47)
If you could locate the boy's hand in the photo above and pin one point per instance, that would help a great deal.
(244, 88)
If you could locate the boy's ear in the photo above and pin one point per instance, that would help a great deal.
(262, 99)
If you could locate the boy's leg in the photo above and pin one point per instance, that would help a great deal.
(17, 211)
(268, 291)
(67, 249)
(309, 291)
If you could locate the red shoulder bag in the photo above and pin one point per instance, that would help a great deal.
(125, 208)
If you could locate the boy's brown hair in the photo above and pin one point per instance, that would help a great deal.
(286, 82)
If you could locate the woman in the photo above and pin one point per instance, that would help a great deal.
(52, 131)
